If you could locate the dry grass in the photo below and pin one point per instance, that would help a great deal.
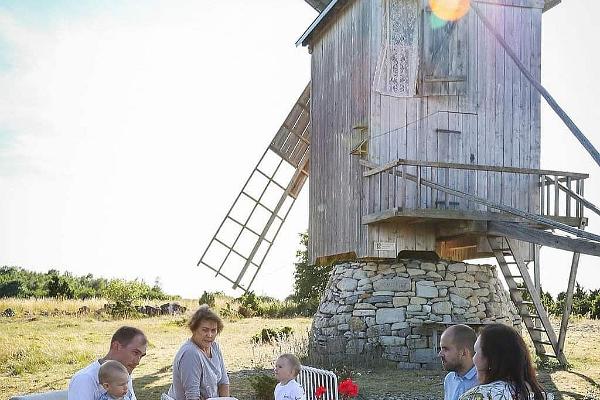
(42, 353)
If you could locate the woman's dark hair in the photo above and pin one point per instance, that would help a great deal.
(509, 360)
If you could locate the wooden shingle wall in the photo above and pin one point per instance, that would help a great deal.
(492, 118)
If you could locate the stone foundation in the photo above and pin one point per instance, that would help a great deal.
(396, 312)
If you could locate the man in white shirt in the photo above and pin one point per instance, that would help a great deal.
(456, 352)
(128, 346)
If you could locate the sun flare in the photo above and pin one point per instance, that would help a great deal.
(449, 10)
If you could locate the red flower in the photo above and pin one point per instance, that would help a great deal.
(320, 391)
(348, 388)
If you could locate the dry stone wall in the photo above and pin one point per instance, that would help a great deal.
(392, 311)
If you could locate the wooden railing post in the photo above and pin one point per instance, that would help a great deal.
(547, 197)
(582, 195)
(556, 197)
(568, 198)
(542, 184)
(419, 186)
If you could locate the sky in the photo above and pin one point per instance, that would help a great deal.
(128, 127)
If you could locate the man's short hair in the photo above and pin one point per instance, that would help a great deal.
(125, 334)
(110, 370)
(293, 361)
(463, 336)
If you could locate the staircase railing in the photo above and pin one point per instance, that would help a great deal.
(560, 193)
(432, 182)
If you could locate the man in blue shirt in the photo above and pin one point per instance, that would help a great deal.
(456, 352)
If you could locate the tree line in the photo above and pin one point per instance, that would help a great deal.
(586, 303)
(21, 283)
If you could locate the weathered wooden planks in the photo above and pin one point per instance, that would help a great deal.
(491, 118)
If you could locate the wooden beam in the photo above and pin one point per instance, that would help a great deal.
(450, 230)
(537, 276)
(517, 231)
(568, 302)
(398, 213)
(473, 167)
(513, 3)
(545, 94)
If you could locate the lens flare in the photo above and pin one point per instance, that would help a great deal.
(449, 10)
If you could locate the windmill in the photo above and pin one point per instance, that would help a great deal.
(420, 129)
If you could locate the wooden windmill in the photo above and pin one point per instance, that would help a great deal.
(422, 128)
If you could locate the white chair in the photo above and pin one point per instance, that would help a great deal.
(311, 378)
(55, 395)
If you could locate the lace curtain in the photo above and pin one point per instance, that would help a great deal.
(397, 70)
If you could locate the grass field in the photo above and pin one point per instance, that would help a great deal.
(39, 353)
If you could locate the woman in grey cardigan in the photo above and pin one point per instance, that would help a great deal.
(198, 369)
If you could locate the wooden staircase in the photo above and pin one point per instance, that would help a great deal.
(526, 298)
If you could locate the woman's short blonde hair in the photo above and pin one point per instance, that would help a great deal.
(204, 313)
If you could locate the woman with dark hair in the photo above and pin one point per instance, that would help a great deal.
(504, 368)
(198, 369)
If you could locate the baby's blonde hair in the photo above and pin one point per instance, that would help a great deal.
(293, 361)
(110, 370)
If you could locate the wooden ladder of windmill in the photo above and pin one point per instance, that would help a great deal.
(529, 307)
(240, 245)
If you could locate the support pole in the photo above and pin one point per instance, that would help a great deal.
(538, 86)
(564, 324)
(536, 276)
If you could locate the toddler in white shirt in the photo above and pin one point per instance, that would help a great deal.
(287, 368)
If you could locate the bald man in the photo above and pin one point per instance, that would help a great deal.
(456, 353)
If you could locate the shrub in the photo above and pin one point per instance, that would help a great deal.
(207, 298)
(124, 295)
(264, 386)
(280, 309)
(229, 312)
(250, 301)
(59, 287)
(595, 314)
(270, 335)
(246, 312)
(309, 280)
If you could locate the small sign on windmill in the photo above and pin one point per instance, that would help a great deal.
(422, 127)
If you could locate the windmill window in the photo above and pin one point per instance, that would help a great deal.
(444, 55)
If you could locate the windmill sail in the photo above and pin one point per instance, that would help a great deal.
(239, 247)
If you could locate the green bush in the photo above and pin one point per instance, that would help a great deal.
(271, 335)
(246, 312)
(250, 301)
(280, 309)
(264, 386)
(596, 307)
(124, 295)
(229, 312)
(310, 281)
(59, 287)
(207, 298)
